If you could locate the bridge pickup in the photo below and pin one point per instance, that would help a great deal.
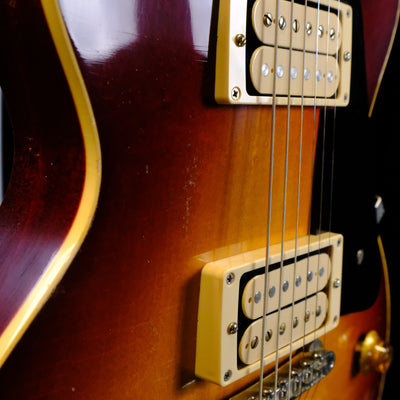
(228, 341)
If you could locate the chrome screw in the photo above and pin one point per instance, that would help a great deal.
(337, 283)
(296, 26)
(282, 23)
(229, 278)
(319, 311)
(227, 375)
(320, 31)
(233, 328)
(240, 40)
(347, 56)
(235, 93)
(267, 19)
(254, 342)
(282, 328)
(257, 297)
(285, 286)
(308, 28)
(332, 34)
(271, 291)
(298, 281)
(268, 335)
(307, 316)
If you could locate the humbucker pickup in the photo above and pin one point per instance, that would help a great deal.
(303, 53)
(232, 294)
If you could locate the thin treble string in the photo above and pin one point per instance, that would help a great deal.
(298, 188)
(284, 198)
(314, 130)
(334, 129)
(298, 192)
(271, 172)
(324, 138)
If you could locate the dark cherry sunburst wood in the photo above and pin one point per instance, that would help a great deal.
(185, 180)
(379, 20)
(49, 160)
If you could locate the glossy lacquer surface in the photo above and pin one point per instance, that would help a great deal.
(49, 160)
(184, 181)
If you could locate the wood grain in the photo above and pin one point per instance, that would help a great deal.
(49, 159)
(183, 178)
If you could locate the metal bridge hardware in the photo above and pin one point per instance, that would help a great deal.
(306, 370)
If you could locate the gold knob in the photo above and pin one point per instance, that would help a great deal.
(375, 354)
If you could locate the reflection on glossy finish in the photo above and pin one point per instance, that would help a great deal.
(100, 28)
(111, 26)
(200, 12)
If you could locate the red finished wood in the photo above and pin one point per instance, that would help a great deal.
(184, 180)
(48, 171)
(379, 22)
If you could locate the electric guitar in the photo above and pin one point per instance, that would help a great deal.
(176, 219)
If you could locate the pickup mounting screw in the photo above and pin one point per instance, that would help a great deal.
(347, 56)
(229, 278)
(232, 328)
(308, 28)
(227, 375)
(267, 19)
(240, 40)
(235, 93)
(332, 34)
(337, 283)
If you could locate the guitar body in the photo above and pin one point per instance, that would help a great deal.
(185, 181)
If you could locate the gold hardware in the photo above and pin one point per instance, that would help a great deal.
(375, 354)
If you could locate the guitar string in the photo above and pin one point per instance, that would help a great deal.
(328, 33)
(312, 165)
(268, 238)
(284, 204)
(334, 128)
(333, 134)
(322, 137)
(324, 133)
(300, 153)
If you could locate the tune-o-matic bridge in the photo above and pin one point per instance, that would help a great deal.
(295, 377)
(268, 50)
(303, 302)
